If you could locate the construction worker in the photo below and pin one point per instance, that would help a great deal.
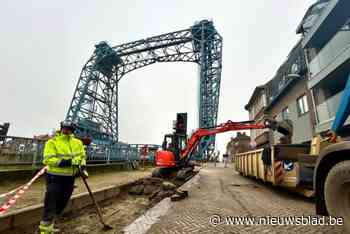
(225, 159)
(65, 157)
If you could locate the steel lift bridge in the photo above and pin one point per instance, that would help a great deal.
(95, 102)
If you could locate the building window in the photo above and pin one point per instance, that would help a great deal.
(327, 96)
(302, 105)
(285, 113)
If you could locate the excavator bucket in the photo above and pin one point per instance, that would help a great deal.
(284, 127)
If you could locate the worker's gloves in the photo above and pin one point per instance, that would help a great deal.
(65, 163)
(83, 172)
(76, 161)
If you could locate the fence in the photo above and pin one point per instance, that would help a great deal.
(29, 151)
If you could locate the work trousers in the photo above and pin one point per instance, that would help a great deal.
(58, 192)
(225, 159)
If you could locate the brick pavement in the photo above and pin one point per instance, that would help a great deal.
(223, 191)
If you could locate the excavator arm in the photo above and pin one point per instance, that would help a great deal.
(168, 162)
(195, 138)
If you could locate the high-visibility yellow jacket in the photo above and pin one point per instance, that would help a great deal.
(64, 147)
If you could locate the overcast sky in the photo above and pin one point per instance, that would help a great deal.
(44, 45)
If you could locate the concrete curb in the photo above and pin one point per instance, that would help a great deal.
(32, 214)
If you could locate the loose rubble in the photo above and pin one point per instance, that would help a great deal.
(157, 189)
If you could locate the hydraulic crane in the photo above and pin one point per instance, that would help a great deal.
(176, 150)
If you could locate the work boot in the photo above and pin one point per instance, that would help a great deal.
(47, 228)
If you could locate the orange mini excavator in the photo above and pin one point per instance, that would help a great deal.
(175, 156)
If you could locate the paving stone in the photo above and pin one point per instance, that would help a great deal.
(215, 195)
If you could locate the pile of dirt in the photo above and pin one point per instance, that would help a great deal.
(156, 188)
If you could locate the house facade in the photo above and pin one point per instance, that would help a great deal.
(256, 107)
(290, 98)
(308, 86)
(326, 42)
(239, 144)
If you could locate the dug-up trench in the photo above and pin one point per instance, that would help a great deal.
(133, 200)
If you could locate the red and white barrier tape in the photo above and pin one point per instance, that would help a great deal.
(20, 192)
(11, 192)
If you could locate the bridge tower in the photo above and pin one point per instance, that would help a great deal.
(94, 105)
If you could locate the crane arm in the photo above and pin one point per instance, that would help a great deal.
(225, 127)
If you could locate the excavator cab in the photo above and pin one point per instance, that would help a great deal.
(168, 142)
(174, 143)
(170, 155)
(169, 158)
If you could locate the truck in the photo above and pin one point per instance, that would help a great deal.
(320, 169)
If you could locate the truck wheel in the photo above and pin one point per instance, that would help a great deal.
(337, 192)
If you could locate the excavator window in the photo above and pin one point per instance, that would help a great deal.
(183, 143)
(168, 142)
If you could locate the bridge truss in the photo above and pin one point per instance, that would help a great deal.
(94, 105)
